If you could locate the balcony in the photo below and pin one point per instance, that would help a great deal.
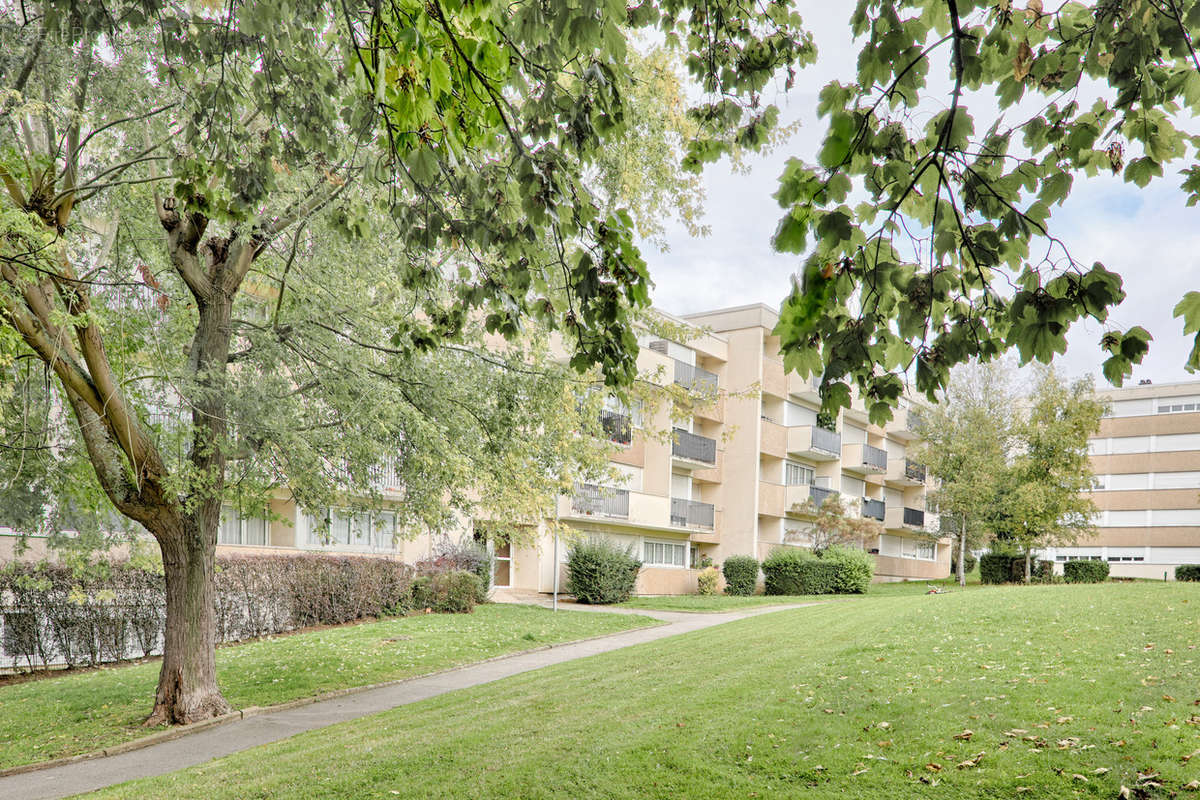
(904, 421)
(873, 509)
(909, 519)
(600, 501)
(617, 427)
(692, 514)
(807, 388)
(693, 447)
(814, 443)
(905, 472)
(694, 378)
(819, 494)
(863, 458)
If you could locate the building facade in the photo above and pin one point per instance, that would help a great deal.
(1146, 458)
(729, 477)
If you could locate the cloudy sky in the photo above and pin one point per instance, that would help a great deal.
(1148, 236)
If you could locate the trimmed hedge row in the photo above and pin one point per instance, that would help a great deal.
(1187, 572)
(741, 575)
(601, 572)
(1010, 568)
(836, 571)
(1080, 571)
(114, 611)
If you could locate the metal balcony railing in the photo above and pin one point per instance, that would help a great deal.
(914, 517)
(693, 446)
(689, 376)
(874, 457)
(873, 509)
(600, 500)
(617, 427)
(819, 494)
(692, 514)
(827, 440)
(914, 471)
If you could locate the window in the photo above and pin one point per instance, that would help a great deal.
(797, 474)
(337, 527)
(236, 529)
(664, 554)
(927, 550)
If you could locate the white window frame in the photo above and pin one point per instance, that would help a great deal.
(647, 544)
(802, 468)
(229, 514)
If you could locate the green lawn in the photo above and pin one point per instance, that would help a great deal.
(77, 713)
(1039, 692)
(715, 603)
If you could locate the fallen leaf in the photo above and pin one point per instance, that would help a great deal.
(1024, 789)
(973, 761)
(1192, 786)
(1100, 770)
(1080, 778)
(1168, 698)
(1063, 720)
(861, 769)
(965, 735)
(1016, 732)
(933, 766)
(1191, 755)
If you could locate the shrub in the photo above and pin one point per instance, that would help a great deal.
(706, 580)
(855, 568)
(794, 571)
(601, 572)
(1187, 572)
(969, 562)
(997, 567)
(451, 592)
(741, 575)
(468, 556)
(1085, 571)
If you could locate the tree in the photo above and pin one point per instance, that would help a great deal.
(948, 254)
(1044, 497)
(833, 524)
(966, 441)
(461, 138)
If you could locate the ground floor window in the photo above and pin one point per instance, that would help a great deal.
(358, 529)
(238, 529)
(664, 554)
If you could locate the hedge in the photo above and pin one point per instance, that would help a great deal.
(115, 611)
(452, 592)
(836, 571)
(601, 572)
(469, 557)
(1010, 568)
(1080, 571)
(1187, 572)
(970, 561)
(741, 575)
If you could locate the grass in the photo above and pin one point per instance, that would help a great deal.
(716, 603)
(1039, 692)
(81, 712)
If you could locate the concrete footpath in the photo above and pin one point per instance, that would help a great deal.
(270, 726)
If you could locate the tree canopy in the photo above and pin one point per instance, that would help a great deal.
(925, 220)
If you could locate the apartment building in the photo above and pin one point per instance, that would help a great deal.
(1146, 457)
(730, 477)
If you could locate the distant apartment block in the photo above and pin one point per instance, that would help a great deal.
(1146, 457)
(729, 478)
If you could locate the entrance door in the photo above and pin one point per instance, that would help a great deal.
(502, 565)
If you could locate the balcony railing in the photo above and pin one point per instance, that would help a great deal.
(819, 494)
(689, 376)
(600, 500)
(914, 471)
(914, 517)
(693, 446)
(692, 514)
(827, 440)
(873, 509)
(875, 457)
(617, 427)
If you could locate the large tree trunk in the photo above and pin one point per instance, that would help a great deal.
(187, 683)
(962, 553)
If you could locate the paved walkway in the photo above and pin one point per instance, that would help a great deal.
(222, 740)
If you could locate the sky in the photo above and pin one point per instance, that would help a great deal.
(1148, 236)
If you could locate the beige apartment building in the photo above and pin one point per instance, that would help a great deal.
(729, 478)
(1146, 457)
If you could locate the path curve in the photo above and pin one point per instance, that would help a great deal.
(271, 726)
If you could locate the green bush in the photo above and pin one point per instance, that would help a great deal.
(601, 572)
(1187, 572)
(795, 571)
(706, 580)
(969, 562)
(855, 568)
(1085, 571)
(452, 592)
(468, 556)
(741, 575)
(1010, 568)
